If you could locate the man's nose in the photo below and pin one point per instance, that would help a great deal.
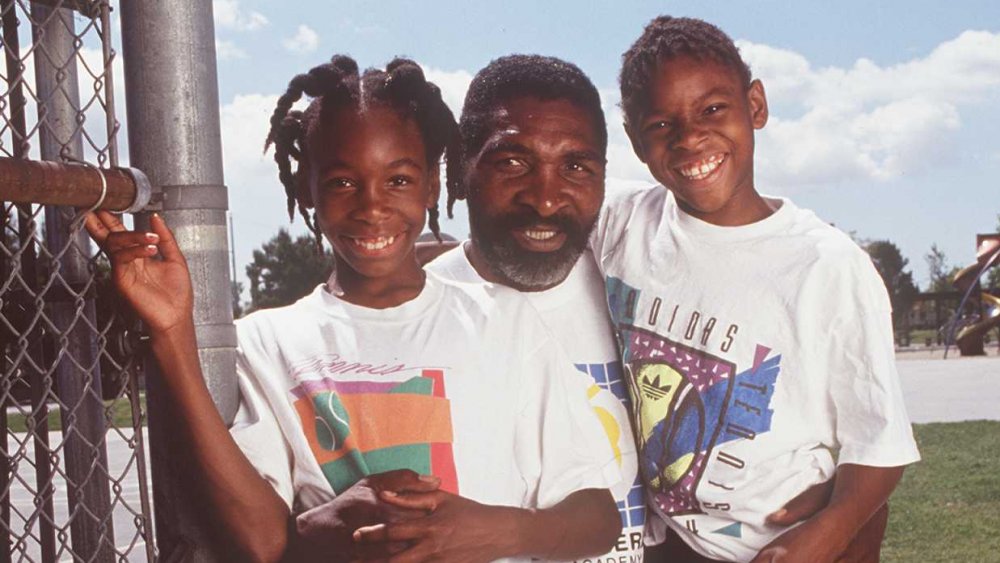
(546, 193)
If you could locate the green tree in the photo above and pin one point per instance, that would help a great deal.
(898, 281)
(284, 270)
(941, 275)
(993, 277)
(237, 303)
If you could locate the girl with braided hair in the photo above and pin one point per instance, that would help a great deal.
(388, 414)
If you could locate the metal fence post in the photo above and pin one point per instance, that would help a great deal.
(73, 317)
(174, 136)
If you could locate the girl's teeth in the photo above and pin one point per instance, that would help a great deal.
(539, 235)
(375, 244)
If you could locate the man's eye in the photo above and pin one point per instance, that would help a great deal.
(714, 108)
(578, 168)
(510, 164)
(400, 181)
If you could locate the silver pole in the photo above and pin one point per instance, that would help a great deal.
(174, 137)
(78, 372)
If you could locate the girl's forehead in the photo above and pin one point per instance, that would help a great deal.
(350, 135)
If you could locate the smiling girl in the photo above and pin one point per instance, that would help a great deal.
(384, 367)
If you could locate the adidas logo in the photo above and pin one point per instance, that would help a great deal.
(652, 389)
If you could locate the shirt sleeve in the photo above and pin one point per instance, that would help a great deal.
(872, 426)
(258, 434)
(619, 202)
(561, 446)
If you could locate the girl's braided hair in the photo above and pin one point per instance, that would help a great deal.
(401, 86)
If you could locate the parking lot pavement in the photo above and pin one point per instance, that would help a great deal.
(120, 465)
(951, 390)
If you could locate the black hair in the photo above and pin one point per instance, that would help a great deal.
(666, 37)
(517, 76)
(401, 86)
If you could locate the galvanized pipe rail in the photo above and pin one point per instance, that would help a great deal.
(122, 190)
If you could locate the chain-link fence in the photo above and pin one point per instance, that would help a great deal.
(74, 479)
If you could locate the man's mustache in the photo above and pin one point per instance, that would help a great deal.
(528, 218)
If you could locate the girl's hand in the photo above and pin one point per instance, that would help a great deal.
(159, 290)
(455, 529)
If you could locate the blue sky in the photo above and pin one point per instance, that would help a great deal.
(883, 117)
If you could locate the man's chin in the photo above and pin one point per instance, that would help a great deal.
(531, 271)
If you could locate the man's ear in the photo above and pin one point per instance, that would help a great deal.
(757, 102)
(435, 181)
(303, 183)
(633, 138)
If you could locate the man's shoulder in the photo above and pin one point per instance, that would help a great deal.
(622, 195)
(454, 265)
(477, 294)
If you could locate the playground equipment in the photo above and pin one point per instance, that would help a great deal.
(968, 331)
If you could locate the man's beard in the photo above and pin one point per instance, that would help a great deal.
(523, 269)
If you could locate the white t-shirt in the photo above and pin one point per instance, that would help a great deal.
(463, 382)
(576, 314)
(758, 358)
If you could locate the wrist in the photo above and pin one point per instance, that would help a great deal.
(839, 528)
(521, 528)
(175, 336)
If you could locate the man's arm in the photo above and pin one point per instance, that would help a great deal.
(859, 491)
(584, 523)
(428, 251)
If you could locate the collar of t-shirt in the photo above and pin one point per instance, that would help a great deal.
(703, 231)
(425, 302)
(545, 300)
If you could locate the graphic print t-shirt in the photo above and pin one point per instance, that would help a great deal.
(758, 358)
(459, 382)
(576, 314)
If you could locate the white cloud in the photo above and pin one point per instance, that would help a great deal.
(227, 51)
(305, 40)
(256, 197)
(868, 122)
(453, 85)
(90, 72)
(229, 15)
(623, 165)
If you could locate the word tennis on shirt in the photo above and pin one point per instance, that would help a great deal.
(334, 364)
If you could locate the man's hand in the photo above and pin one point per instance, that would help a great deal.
(324, 533)
(847, 521)
(454, 529)
(809, 543)
(804, 506)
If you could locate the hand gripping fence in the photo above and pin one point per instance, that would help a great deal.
(73, 476)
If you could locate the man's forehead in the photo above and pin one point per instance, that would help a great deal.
(545, 120)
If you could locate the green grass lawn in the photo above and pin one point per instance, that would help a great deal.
(947, 507)
(119, 411)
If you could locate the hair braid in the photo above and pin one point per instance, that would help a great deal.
(402, 87)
